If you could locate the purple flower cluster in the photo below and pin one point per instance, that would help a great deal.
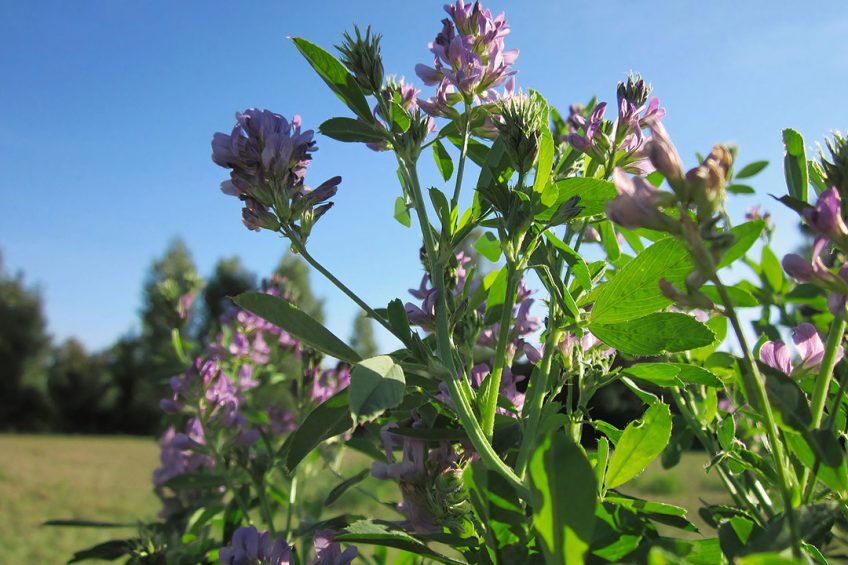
(826, 220)
(639, 203)
(177, 456)
(626, 137)
(470, 59)
(268, 157)
(807, 340)
(429, 479)
(328, 382)
(405, 95)
(249, 547)
(329, 552)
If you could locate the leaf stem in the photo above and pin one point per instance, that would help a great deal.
(761, 398)
(462, 155)
(825, 376)
(536, 389)
(445, 347)
(491, 389)
(301, 249)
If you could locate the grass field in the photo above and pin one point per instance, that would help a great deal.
(108, 479)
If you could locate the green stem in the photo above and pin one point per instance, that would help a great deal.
(491, 391)
(755, 384)
(445, 347)
(462, 155)
(736, 491)
(825, 376)
(834, 340)
(536, 389)
(301, 249)
(761, 399)
(292, 501)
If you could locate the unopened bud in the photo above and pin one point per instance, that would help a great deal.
(363, 58)
(524, 117)
(635, 90)
(834, 171)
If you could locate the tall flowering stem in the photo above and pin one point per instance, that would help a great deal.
(463, 153)
(825, 376)
(755, 384)
(444, 343)
(492, 386)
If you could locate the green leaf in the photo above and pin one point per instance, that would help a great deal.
(342, 487)
(578, 265)
(608, 240)
(298, 323)
(350, 130)
(376, 384)
(751, 169)
(443, 160)
(545, 161)
(368, 532)
(772, 270)
(489, 246)
(72, 523)
(673, 374)
(727, 432)
(400, 117)
(641, 443)
(108, 550)
(745, 236)
(740, 189)
(593, 193)
(325, 421)
(635, 291)
(402, 212)
(655, 334)
(197, 480)
(788, 400)
(336, 76)
(564, 496)
(740, 298)
(795, 165)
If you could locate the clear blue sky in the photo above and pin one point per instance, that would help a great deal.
(108, 107)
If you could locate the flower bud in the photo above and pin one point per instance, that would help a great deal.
(634, 90)
(523, 120)
(666, 160)
(706, 181)
(835, 170)
(363, 58)
(637, 204)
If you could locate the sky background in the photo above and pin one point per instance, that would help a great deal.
(108, 107)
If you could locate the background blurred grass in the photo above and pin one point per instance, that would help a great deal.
(108, 479)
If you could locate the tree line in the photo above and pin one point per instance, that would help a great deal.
(62, 387)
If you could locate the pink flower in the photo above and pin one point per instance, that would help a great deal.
(809, 344)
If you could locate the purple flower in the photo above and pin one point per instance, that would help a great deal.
(814, 271)
(593, 141)
(664, 156)
(249, 547)
(826, 218)
(776, 353)
(329, 382)
(469, 55)
(328, 552)
(637, 203)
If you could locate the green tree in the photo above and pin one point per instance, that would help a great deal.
(230, 278)
(80, 388)
(23, 340)
(292, 278)
(170, 279)
(362, 339)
